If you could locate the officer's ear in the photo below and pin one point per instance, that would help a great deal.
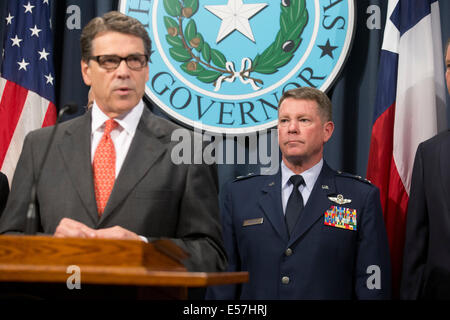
(328, 128)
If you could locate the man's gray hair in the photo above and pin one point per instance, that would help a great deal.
(308, 93)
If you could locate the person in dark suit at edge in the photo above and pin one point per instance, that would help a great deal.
(426, 258)
(109, 173)
(308, 232)
(4, 192)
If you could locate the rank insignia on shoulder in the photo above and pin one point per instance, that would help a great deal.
(348, 175)
(339, 199)
(340, 217)
(251, 174)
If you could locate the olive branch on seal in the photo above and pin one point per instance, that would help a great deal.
(209, 65)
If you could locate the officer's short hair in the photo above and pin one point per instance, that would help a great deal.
(308, 93)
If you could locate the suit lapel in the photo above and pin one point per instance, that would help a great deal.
(317, 204)
(75, 148)
(270, 203)
(144, 150)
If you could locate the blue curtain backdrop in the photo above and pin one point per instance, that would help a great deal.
(353, 94)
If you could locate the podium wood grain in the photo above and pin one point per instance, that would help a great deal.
(104, 262)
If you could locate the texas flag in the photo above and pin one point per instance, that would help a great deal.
(409, 108)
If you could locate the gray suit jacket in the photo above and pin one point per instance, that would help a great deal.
(151, 196)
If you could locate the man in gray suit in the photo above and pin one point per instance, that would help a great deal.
(119, 184)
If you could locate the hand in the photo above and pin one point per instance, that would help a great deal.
(68, 228)
(117, 233)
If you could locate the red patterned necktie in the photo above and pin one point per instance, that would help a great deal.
(104, 166)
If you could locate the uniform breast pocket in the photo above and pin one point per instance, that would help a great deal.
(331, 233)
(337, 242)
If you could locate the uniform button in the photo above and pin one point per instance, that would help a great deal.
(288, 252)
(285, 280)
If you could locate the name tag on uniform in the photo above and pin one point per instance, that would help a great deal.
(251, 222)
(341, 217)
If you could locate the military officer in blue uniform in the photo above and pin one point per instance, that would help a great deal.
(308, 232)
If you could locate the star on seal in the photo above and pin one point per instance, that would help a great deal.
(235, 16)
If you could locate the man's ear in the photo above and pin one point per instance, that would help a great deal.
(328, 129)
(85, 72)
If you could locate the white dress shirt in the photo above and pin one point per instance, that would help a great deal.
(121, 136)
(310, 176)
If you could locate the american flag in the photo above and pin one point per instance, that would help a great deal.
(27, 77)
(409, 109)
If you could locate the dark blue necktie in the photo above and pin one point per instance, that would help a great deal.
(294, 206)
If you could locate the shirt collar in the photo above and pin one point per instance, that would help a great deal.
(310, 176)
(128, 121)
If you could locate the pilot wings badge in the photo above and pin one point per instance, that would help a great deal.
(339, 199)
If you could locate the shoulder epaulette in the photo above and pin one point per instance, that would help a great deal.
(348, 175)
(250, 175)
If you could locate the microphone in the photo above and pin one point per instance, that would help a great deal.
(32, 220)
(69, 108)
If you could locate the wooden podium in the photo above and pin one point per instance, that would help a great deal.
(154, 269)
